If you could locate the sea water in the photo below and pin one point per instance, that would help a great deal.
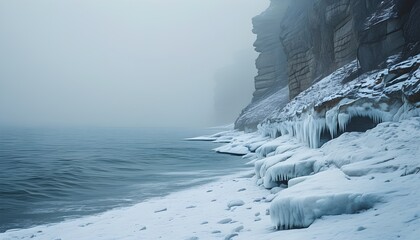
(48, 175)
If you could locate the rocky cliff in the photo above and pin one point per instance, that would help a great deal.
(302, 42)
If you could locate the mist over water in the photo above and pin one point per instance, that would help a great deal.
(121, 63)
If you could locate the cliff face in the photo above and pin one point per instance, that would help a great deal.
(272, 61)
(301, 42)
(324, 39)
(271, 82)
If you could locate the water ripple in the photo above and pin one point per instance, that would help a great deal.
(47, 175)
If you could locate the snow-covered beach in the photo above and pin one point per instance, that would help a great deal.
(96, 101)
(365, 189)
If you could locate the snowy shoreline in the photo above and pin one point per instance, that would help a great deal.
(359, 186)
(198, 213)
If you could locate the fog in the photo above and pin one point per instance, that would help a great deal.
(125, 63)
(234, 87)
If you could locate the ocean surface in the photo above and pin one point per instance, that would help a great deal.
(48, 175)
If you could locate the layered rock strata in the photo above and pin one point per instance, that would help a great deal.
(302, 42)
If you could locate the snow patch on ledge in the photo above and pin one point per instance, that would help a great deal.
(387, 10)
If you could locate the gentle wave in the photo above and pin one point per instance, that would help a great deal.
(48, 175)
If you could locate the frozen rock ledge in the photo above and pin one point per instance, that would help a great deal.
(301, 212)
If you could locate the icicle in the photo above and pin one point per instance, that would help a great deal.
(331, 118)
(343, 120)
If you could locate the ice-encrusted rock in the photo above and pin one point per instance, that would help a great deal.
(331, 105)
(283, 166)
(338, 181)
(301, 205)
(240, 144)
(300, 212)
(283, 172)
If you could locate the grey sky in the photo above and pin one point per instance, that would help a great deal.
(118, 62)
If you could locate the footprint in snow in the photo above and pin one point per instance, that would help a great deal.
(225, 221)
(361, 228)
(230, 236)
(84, 225)
(235, 203)
(238, 229)
(192, 238)
(161, 210)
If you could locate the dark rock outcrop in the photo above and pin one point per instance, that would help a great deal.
(313, 38)
(319, 37)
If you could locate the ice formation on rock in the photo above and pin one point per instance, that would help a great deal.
(333, 183)
(288, 213)
(283, 172)
(329, 106)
